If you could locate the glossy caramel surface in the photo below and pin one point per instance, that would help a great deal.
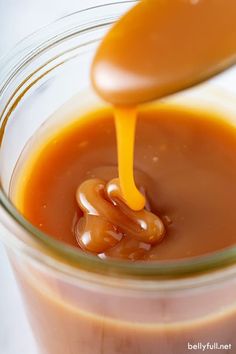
(184, 164)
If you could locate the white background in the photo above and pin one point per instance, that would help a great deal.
(18, 18)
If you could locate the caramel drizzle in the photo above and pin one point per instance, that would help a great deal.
(125, 120)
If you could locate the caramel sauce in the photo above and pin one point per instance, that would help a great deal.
(125, 120)
(108, 221)
(184, 165)
(157, 48)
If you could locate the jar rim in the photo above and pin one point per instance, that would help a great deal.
(61, 253)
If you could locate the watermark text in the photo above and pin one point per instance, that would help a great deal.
(209, 346)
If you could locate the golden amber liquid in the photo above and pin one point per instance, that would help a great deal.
(184, 162)
(125, 120)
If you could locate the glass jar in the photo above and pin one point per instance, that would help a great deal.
(77, 303)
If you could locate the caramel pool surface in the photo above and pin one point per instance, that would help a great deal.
(185, 163)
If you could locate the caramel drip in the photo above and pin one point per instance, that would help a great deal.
(125, 119)
(109, 227)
